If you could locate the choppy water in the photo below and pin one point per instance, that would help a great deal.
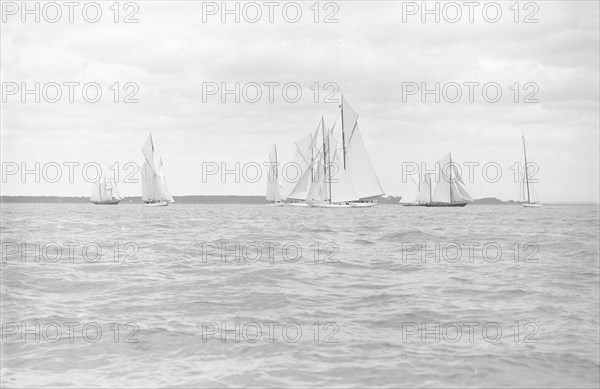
(368, 294)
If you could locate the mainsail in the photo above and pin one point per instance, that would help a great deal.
(527, 192)
(411, 194)
(424, 195)
(273, 185)
(296, 188)
(450, 187)
(331, 183)
(168, 196)
(355, 158)
(154, 187)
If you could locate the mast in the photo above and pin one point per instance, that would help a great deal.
(312, 160)
(450, 178)
(276, 168)
(326, 156)
(429, 183)
(526, 173)
(343, 134)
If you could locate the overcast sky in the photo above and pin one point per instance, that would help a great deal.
(370, 53)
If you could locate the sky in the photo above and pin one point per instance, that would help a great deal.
(176, 58)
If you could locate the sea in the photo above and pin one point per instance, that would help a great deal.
(194, 295)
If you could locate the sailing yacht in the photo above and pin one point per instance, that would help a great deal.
(273, 184)
(528, 195)
(450, 190)
(330, 189)
(346, 178)
(154, 187)
(105, 192)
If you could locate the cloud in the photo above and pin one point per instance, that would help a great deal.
(369, 55)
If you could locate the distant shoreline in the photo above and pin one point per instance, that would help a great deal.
(231, 199)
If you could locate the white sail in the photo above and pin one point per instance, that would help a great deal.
(450, 187)
(332, 183)
(361, 170)
(342, 188)
(424, 195)
(161, 173)
(147, 182)
(317, 192)
(411, 194)
(111, 192)
(152, 185)
(148, 151)
(349, 118)
(96, 192)
(115, 191)
(105, 190)
(302, 187)
(524, 196)
(153, 182)
(461, 193)
(527, 194)
(355, 158)
(273, 186)
(296, 188)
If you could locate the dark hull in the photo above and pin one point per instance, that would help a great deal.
(413, 205)
(445, 204)
(112, 202)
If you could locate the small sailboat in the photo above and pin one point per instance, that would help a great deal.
(450, 190)
(154, 188)
(528, 195)
(273, 184)
(105, 192)
(409, 198)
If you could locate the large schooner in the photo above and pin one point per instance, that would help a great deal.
(105, 192)
(331, 187)
(347, 177)
(154, 188)
(450, 190)
(528, 195)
